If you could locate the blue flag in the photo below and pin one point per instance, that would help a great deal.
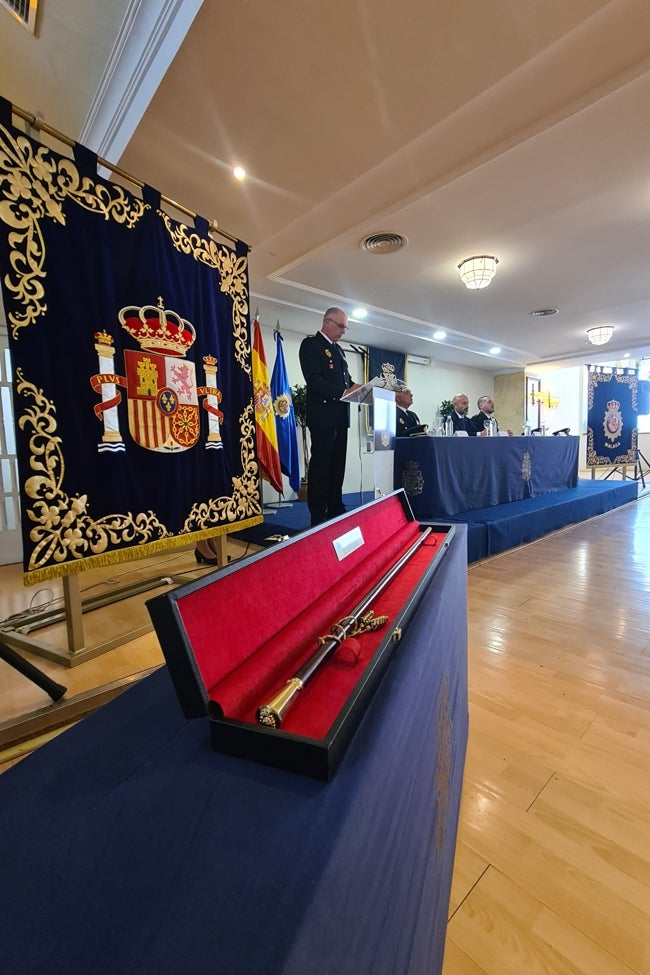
(285, 419)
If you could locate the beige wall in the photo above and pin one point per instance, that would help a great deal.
(509, 393)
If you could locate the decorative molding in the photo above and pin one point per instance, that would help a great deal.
(149, 37)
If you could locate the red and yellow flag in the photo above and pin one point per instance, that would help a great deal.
(267, 437)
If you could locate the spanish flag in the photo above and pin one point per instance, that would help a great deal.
(267, 438)
(285, 417)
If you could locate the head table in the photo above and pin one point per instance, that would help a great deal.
(444, 476)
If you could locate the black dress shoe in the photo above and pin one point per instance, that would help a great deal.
(200, 557)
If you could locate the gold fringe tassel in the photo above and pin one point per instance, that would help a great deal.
(132, 554)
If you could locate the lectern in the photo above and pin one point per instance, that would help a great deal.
(379, 394)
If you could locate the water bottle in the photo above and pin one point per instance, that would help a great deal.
(449, 427)
(493, 432)
(526, 429)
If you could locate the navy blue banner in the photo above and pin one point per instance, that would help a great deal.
(130, 345)
(386, 364)
(612, 436)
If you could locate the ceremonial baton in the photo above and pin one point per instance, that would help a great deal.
(272, 713)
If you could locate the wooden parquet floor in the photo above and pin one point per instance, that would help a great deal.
(552, 870)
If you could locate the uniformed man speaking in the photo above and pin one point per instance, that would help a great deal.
(326, 373)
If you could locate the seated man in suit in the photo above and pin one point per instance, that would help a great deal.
(485, 412)
(459, 417)
(406, 419)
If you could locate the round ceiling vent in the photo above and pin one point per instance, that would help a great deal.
(383, 243)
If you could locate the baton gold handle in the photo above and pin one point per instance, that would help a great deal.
(272, 712)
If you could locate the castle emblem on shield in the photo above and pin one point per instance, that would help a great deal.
(161, 385)
(613, 421)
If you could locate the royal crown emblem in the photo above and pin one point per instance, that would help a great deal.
(613, 423)
(163, 394)
(157, 329)
(388, 372)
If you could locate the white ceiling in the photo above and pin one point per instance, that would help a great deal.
(499, 127)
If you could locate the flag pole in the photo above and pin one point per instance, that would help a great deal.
(280, 503)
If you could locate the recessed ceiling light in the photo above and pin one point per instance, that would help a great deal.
(495, 350)
(360, 313)
(439, 335)
(543, 312)
(239, 173)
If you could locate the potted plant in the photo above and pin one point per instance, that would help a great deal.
(445, 408)
(299, 397)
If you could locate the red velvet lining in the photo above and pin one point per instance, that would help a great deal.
(319, 704)
(252, 629)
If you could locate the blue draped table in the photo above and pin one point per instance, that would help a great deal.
(443, 476)
(128, 846)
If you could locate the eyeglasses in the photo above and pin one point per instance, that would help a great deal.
(338, 324)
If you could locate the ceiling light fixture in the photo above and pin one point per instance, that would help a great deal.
(239, 173)
(600, 335)
(439, 335)
(495, 350)
(477, 272)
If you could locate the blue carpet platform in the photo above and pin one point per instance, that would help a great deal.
(490, 530)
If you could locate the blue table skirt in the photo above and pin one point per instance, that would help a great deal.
(128, 846)
(443, 476)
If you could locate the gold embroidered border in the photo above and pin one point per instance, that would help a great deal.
(65, 533)
(232, 271)
(592, 459)
(35, 182)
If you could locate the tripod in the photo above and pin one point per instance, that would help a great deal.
(639, 473)
(55, 691)
(639, 458)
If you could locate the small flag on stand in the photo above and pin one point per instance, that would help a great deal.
(285, 418)
(267, 439)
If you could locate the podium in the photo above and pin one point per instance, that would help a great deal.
(379, 394)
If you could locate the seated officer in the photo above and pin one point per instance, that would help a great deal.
(405, 419)
(485, 412)
(459, 417)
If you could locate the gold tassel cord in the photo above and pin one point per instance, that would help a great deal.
(37, 123)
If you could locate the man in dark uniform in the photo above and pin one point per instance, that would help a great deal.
(405, 418)
(325, 369)
(459, 417)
